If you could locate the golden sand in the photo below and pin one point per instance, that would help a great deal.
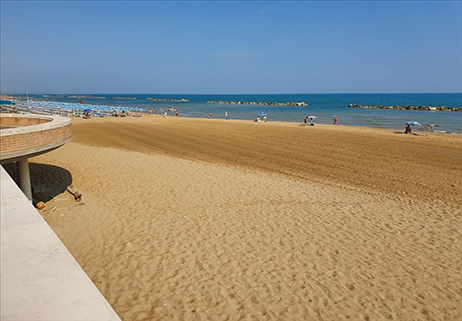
(189, 219)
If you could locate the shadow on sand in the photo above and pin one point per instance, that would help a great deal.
(415, 134)
(47, 181)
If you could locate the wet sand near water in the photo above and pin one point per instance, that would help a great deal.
(190, 219)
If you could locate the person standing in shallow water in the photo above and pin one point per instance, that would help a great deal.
(335, 120)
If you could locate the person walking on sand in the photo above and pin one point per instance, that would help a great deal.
(306, 120)
(335, 120)
(226, 115)
(150, 111)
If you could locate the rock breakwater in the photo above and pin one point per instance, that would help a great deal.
(268, 103)
(83, 96)
(407, 107)
(169, 100)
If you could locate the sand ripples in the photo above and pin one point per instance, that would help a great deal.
(178, 239)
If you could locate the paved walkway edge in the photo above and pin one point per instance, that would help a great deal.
(40, 280)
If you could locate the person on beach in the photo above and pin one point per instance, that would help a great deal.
(335, 120)
(210, 116)
(150, 111)
(408, 129)
(306, 120)
(226, 115)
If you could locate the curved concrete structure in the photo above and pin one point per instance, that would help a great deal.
(24, 136)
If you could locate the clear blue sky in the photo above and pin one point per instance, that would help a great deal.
(231, 47)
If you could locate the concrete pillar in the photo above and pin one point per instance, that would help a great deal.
(24, 177)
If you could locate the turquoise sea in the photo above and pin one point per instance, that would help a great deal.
(324, 106)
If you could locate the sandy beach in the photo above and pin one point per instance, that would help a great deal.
(196, 219)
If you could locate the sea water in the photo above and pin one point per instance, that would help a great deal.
(323, 106)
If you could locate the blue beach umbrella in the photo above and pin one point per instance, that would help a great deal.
(7, 102)
(413, 123)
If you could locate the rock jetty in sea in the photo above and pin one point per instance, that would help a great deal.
(269, 103)
(83, 97)
(169, 100)
(407, 107)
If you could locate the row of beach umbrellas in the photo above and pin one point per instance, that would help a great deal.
(61, 108)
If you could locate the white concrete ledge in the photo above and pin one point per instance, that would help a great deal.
(52, 122)
(40, 280)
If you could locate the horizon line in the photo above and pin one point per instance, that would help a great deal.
(313, 93)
